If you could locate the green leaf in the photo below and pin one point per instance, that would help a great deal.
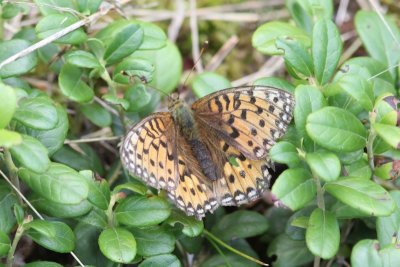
(50, 6)
(191, 226)
(168, 66)
(231, 225)
(365, 254)
(265, 36)
(294, 188)
(326, 49)
(378, 38)
(88, 6)
(285, 152)
(297, 224)
(390, 134)
(82, 59)
(96, 218)
(324, 164)
(359, 168)
(53, 139)
(19, 66)
(336, 129)
(5, 244)
(323, 234)
(59, 183)
(134, 186)
(153, 241)
(387, 227)
(8, 104)
(390, 256)
(31, 154)
(9, 138)
(359, 89)
(37, 113)
(118, 245)
(275, 82)
(42, 264)
(72, 86)
(343, 211)
(167, 260)
(137, 97)
(19, 213)
(61, 210)
(97, 114)
(116, 100)
(209, 82)
(308, 99)
(9, 11)
(289, 252)
(96, 46)
(141, 69)
(55, 236)
(54, 23)
(125, 43)
(363, 195)
(7, 202)
(142, 211)
(296, 56)
(99, 193)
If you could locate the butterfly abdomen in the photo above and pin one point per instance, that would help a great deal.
(183, 116)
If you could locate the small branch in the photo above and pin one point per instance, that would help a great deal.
(177, 20)
(222, 53)
(90, 140)
(13, 171)
(350, 51)
(317, 261)
(17, 238)
(370, 148)
(320, 193)
(342, 12)
(195, 36)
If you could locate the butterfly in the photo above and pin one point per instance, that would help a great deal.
(212, 153)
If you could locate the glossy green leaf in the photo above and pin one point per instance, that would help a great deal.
(231, 225)
(326, 49)
(19, 66)
(323, 234)
(55, 236)
(59, 183)
(362, 194)
(390, 256)
(54, 23)
(142, 211)
(275, 82)
(116, 100)
(31, 154)
(153, 241)
(37, 113)
(265, 36)
(167, 260)
(131, 68)
(386, 171)
(42, 264)
(8, 104)
(324, 164)
(19, 213)
(191, 226)
(125, 43)
(168, 66)
(137, 96)
(359, 89)
(297, 224)
(54, 138)
(296, 56)
(308, 99)
(82, 59)
(9, 138)
(289, 252)
(377, 38)
(88, 6)
(99, 193)
(58, 210)
(359, 168)
(118, 244)
(390, 134)
(97, 114)
(387, 227)
(366, 254)
(294, 188)
(134, 186)
(343, 211)
(5, 244)
(336, 129)
(7, 201)
(72, 86)
(285, 152)
(207, 83)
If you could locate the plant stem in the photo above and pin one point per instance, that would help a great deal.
(317, 261)
(222, 243)
(109, 212)
(320, 193)
(219, 251)
(17, 237)
(13, 172)
(370, 147)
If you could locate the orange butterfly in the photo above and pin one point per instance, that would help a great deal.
(212, 153)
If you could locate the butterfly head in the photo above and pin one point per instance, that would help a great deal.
(174, 102)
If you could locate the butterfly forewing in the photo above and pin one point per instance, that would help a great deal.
(248, 118)
(149, 151)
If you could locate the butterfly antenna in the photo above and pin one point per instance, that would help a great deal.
(203, 49)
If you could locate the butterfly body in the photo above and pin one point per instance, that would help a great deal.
(213, 152)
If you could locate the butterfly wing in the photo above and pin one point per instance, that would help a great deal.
(248, 118)
(149, 151)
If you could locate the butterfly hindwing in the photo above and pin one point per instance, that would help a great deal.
(149, 151)
(249, 118)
